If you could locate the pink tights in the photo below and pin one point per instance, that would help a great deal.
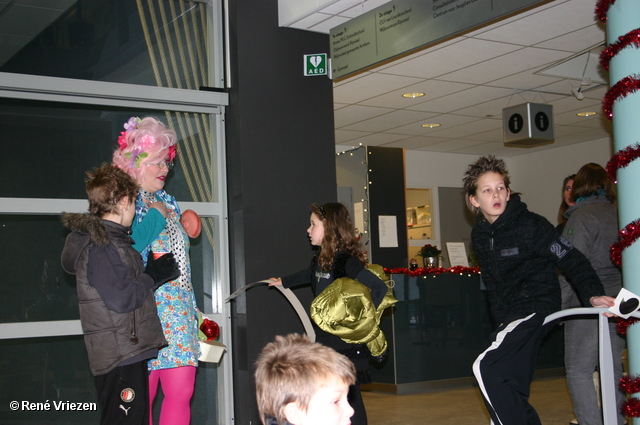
(177, 386)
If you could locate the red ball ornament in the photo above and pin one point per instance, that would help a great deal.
(210, 329)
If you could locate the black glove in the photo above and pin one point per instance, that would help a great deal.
(162, 269)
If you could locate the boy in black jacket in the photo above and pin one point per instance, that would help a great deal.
(115, 293)
(519, 254)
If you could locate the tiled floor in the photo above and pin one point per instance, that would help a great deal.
(463, 406)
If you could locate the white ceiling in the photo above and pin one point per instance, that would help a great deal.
(470, 79)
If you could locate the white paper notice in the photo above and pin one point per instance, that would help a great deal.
(358, 216)
(388, 231)
(457, 254)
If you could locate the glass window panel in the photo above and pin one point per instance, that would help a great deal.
(201, 255)
(37, 370)
(54, 369)
(159, 43)
(48, 147)
(36, 287)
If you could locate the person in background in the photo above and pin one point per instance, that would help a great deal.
(146, 150)
(592, 227)
(340, 255)
(303, 383)
(115, 291)
(519, 253)
(567, 202)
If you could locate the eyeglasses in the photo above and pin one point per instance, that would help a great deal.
(167, 164)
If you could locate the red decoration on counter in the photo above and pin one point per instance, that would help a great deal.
(432, 271)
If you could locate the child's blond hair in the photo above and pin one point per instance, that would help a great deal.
(292, 369)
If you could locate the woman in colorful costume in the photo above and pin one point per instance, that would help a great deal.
(146, 150)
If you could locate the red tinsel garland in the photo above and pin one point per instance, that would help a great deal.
(626, 237)
(631, 408)
(632, 38)
(630, 385)
(623, 324)
(621, 159)
(602, 7)
(631, 232)
(621, 89)
(432, 271)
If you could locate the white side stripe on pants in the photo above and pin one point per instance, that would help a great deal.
(499, 338)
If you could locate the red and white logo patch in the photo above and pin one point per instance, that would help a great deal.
(127, 395)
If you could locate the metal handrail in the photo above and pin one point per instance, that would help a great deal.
(607, 382)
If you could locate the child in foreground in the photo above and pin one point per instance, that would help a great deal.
(299, 382)
(115, 293)
(519, 254)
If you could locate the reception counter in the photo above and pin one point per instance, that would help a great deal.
(435, 331)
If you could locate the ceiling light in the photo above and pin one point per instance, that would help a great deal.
(577, 92)
(586, 114)
(413, 95)
(431, 125)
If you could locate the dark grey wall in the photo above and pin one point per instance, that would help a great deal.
(456, 221)
(386, 197)
(281, 158)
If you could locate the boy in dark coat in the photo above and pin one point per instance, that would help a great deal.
(115, 293)
(519, 254)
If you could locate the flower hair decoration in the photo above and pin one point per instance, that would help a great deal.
(136, 156)
(144, 143)
(129, 126)
(172, 153)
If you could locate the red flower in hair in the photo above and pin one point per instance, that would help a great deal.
(122, 140)
(172, 152)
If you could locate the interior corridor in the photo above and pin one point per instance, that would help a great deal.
(463, 406)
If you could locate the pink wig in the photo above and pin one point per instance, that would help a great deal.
(144, 141)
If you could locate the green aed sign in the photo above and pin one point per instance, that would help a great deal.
(315, 64)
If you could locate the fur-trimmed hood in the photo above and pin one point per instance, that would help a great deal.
(86, 229)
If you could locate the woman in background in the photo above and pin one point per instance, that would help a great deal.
(592, 227)
(567, 185)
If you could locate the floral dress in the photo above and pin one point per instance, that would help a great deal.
(175, 299)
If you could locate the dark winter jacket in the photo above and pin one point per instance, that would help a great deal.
(519, 255)
(117, 307)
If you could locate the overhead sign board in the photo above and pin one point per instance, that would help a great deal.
(401, 26)
(528, 125)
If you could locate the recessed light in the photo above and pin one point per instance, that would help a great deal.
(431, 125)
(413, 95)
(586, 114)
